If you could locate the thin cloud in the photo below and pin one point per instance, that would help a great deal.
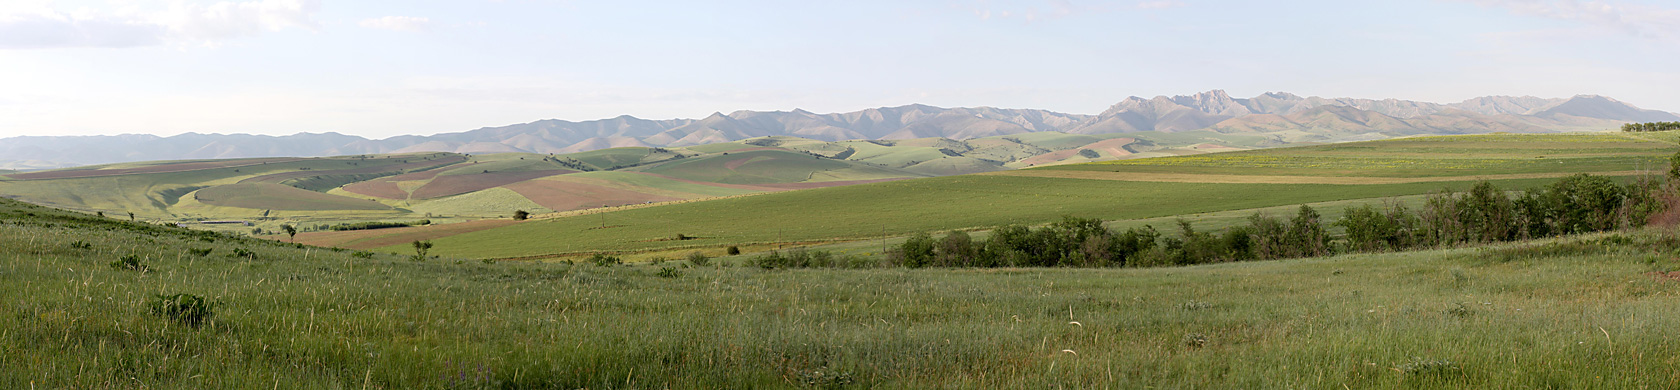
(399, 23)
(179, 23)
(1165, 4)
(1651, 22)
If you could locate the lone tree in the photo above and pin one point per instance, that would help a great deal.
(420, 248)
(521, 215)
(290, 231)
(131, 216)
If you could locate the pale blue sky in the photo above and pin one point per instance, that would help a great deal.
(384, 68)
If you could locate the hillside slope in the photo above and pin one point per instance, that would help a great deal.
(1207, 110)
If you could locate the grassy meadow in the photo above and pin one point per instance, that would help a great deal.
(1577, 312)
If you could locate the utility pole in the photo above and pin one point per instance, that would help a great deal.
(603, 216)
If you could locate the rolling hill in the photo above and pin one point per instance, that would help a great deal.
(1282, 116)
(1130, 189)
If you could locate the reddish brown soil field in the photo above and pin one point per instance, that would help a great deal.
(386, 187)
(378, 188)
(364, 239)
(426, 175)
(461, 184)
(562, 196)
(413, 164)
(164, 168)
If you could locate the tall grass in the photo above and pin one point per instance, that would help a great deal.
(1521, 315)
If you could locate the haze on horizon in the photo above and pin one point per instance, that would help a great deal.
(379, 69)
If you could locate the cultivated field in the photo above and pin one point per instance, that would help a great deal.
(1117, 190)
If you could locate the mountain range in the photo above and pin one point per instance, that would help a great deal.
(1285, 117)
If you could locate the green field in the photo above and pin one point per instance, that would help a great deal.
(770, 166)
(870, 211)
(1420, 157)
(1577, 312)
(895, 208)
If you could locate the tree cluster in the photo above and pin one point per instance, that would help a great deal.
(1651, 126)
(1486, 213)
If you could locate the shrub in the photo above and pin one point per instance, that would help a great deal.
(81, 245)
(244, 253)
(362, 254)
(188, 309)
(603, 260)
(129, 263)
(916, 252)
(420, 249)
(698, 259)
(200, 252)
(669, 272)
(734, 251)
(521, 215)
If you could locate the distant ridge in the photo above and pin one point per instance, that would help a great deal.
(1283, 116)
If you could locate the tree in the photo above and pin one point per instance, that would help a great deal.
(521, 215)
(420, 249)
(290, 231)
(131, 216)
(917, 251)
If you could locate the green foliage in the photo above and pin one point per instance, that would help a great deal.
(420, 249)
(604, 260)
(521, 215)
(362, 254)
(243, 253)
(669, 272)
(79, 244)
(375, 225)
(1650, 126)
(916, 252)
(699, 259)
(187, 309)
(1372, 230)
(200, 252)
(733, 250)
(129, 263)
(801, 258)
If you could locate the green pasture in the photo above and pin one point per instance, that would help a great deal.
(660, 185)
(1419, 157)
(769, 166)
(1590, 312)
(896, 208)
(503, 162)
(270, 196)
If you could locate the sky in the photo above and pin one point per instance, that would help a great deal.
(384, 68)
